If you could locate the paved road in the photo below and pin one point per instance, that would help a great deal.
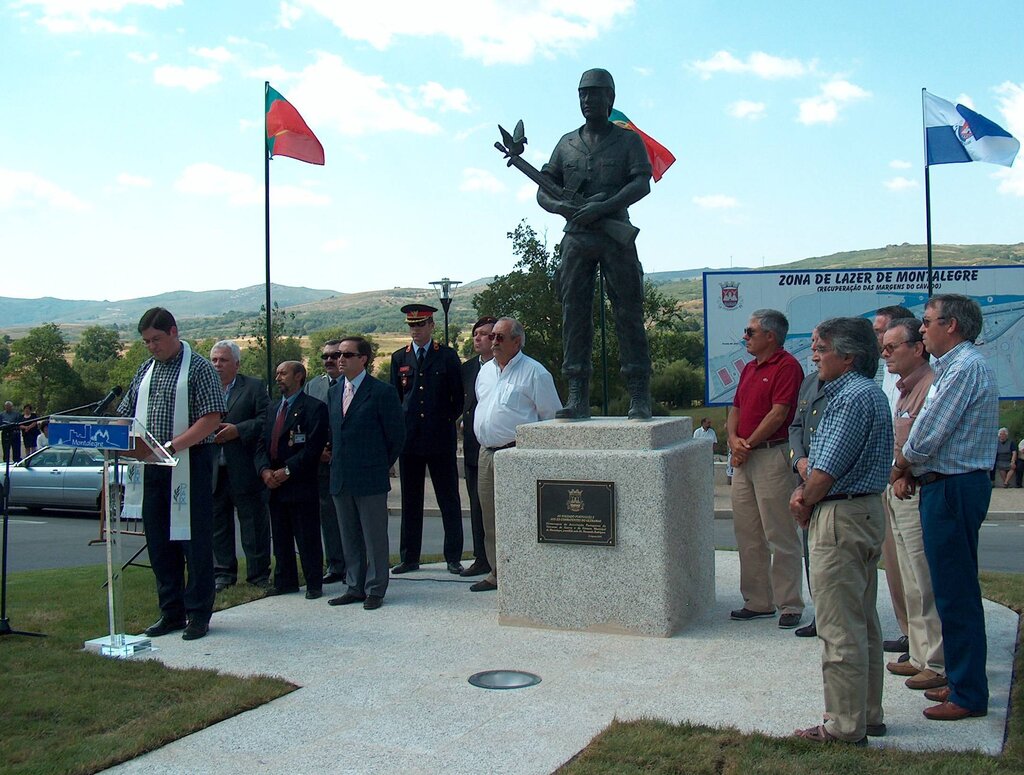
(61, 540)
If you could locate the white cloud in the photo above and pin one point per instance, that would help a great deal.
(644, 71)
(339, 245)
(899, 164)
(1011, 106)
(218, 54)
(758, 64)
(289, 14)
(329, 93)
(474, 179)
(433, 93)
(143, 59)
(491, 31)
(240, 189)
(716, 201)
(68, 16)
(900, 184)
(245, 124)
(27, 189)
(465, 134)
(824, 108)
(747, 109)
(191, 78)
(128, 180)
(527, 192)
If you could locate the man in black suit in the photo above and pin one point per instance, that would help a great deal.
(287, 457)
(428, 378)
(368, 432)
(236, 487)
(470, 446)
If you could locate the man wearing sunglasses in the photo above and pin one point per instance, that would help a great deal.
(368, 432)
(428, 378)
(334, 553)
(950, 452)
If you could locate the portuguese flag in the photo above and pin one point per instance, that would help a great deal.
(287, 133)
(660, 156)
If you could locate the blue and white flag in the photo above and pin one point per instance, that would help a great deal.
(955, 133)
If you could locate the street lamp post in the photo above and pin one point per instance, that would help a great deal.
(444, 288)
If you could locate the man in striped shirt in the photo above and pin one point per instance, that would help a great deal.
(950, 452)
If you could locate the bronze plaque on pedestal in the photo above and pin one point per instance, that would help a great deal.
(570, 512)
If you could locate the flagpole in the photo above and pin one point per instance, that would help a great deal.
(927, 195)
(266, 221)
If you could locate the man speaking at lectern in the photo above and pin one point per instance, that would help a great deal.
(177, 396)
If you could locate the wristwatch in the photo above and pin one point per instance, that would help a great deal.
(287, 472)
(169, 446)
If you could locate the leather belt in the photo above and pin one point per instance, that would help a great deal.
(846, 497)
(506, 446)
(771, 443)
(930, 477)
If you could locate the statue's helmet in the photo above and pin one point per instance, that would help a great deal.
(597, 77)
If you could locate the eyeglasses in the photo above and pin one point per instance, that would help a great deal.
(928, 321)
(888, 349)
(750, 332)
(330, 356)
(419, 324)
(499, 338)
(349, 355)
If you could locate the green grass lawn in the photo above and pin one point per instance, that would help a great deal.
(650, 746)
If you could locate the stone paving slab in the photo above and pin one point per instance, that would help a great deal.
(387, 690)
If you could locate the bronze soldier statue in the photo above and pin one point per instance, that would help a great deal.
(600, 169)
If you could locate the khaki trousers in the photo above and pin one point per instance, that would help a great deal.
(846, 541)
(923, 623)
(893, 577)
(485, 491)
(769, 544)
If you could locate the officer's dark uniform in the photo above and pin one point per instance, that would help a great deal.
(432, 400)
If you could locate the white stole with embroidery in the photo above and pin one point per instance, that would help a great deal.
(181, 517)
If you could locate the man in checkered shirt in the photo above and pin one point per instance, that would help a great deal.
(183, 605)
(841, 505)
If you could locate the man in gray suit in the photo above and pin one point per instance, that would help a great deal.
(236, 487)
(334, 553)
(368, 429)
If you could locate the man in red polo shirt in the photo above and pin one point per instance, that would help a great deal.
(763, 408)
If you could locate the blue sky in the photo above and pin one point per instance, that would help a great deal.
(133, 133)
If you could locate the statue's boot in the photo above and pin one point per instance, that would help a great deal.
(639, 397)
(577, 406)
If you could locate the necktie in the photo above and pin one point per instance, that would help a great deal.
(346, 400)
(419, 359)
(332, 382)
(275, 434)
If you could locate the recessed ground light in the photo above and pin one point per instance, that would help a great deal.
(504, 679)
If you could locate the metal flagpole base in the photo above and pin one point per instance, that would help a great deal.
(119, 646)
(5, 629)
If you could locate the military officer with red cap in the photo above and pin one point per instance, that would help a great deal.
(428, 378)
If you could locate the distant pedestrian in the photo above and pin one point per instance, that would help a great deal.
(1006, 460)
(706, 432)
(11, 435)
(29, 429)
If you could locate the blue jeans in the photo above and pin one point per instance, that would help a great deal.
(952, 510)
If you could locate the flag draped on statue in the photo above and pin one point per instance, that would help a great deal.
(955, 133)
(660, 156)
(287, 133)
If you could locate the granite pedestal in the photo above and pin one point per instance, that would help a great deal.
(659, 574)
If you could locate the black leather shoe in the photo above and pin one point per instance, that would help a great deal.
(373, 602)
(220, 586)
(278, 591)
(478, 568)
(313, 594)
(896, 646)
(405, 567)
(164, 626)
(195, 630)
(455, 568)
(483, 586)
(333, 578)
(347, 599)
(810, 631)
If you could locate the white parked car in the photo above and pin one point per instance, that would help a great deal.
(58, 478)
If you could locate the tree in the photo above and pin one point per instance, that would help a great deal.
(98, 343)
(40, 372)
(283, 346)
(527, 293)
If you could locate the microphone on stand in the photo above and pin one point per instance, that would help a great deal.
(108, 399)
